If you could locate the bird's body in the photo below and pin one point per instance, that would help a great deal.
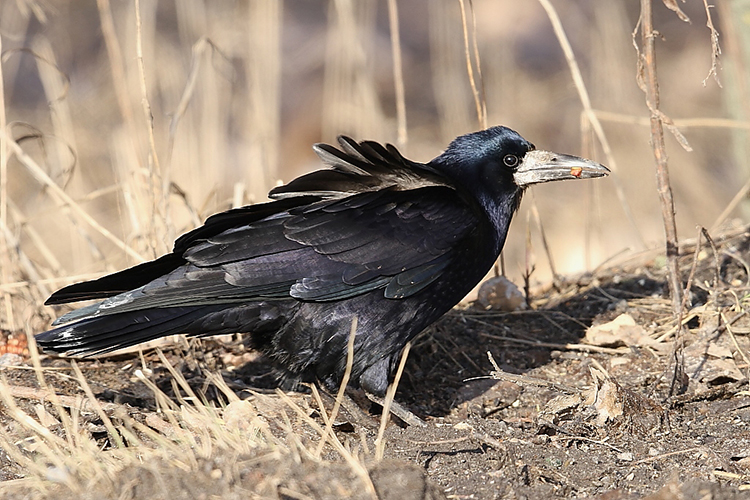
(392, 242)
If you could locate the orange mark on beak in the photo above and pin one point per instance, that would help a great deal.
(576, 171)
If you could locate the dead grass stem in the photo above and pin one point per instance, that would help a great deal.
(329, 420)
(398, 73)
(650, 84)
(5, 256)
(62, 198)
(583, 96)
(389, 395)
(471, 53)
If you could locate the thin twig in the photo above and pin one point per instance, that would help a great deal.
(717, 269)
(478, 63)
(736, 344)
(342, 388)
(356, 466)
(116, 63)
(549, 345)
(114, 435)
(390, 394)
(647, 65)
(529, 265)
(6, 287)
(398, 73)
(36, 239)
(12, 243)
(498, 374)
(6, 265)
(63, 197)
(547, 251)
(478, 101)
(159, 206)
(683, 123)
(736, 200)
(665, 455)
(679, 345)
(583, 96)
(592, 441)
(715, 48)
(199, 49)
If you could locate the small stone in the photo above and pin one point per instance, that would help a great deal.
(501, 294)
(625, 456)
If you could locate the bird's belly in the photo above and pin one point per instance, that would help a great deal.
(313, 342)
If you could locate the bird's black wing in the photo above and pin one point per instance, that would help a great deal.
(356, 168)
(398, 241)
(374, 220)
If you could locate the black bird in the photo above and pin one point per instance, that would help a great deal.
(393, 242)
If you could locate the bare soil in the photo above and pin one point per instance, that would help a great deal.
(569, 419)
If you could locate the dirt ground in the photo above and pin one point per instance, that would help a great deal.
(588, 404)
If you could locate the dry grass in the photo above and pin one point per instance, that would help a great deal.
(71, 460)
(173, 445)
(125, 124)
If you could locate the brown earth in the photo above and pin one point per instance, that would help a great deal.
(601, 417)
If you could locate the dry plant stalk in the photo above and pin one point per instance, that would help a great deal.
(680, 123)
(62, 198)
(477, 90)
(5, 273)
(647, 72)
(588, 111)
(329, 421)
(357, 467)
(715, 48)
(390, 394)
(547, 251)
(678, 375)
(398, 73)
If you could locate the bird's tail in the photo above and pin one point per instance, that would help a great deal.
(102, 334)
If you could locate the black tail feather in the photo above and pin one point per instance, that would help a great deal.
(104, 334)
(107, 333)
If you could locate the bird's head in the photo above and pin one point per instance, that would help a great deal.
(501, 156)
(496, 165)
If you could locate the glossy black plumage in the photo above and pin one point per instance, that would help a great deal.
(393, 242)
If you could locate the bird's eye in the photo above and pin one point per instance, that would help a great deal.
(510, 160)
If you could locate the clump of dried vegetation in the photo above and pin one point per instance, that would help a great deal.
(188, 447)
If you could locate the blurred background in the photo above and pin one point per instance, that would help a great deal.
(138, 119)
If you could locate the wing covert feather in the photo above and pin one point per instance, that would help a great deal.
(400, 241)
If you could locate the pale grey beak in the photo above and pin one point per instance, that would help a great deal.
(545, 166)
